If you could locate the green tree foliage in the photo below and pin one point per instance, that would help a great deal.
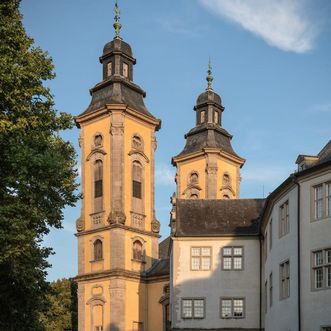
(37, 176)
(61, 315)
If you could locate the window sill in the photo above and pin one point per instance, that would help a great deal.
(324, 218)
(320, 289)
(96, 261)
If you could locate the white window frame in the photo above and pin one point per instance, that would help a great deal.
(232, 258)
(321, 201)
(231, 315)
(324, 269)
(193, 302)
(284, 219)
(200, 257)
(284, 280)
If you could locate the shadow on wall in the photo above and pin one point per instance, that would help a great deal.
(227, 295)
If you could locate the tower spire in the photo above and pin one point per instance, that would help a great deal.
(209, 77)
(117, 24)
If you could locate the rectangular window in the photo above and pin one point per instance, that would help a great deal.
(232, 308)
(125, 70)
(321, 269)
(232, 258)
(328, 199)
(284, 272)
(109, 69)
(136, 189)
(270, 290)
(98, 188)
(200, 258)
(283, 219)
(202, 117)
(193, 308)
(318, 201)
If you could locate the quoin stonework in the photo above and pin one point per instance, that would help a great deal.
(228, 263)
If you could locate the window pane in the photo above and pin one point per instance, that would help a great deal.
(237, 263)
(136, 188)
(205, 251)
(238, 308)
(98, 188)
(318, 201)
(328, 199)
(237, 251)
(195, 251)
(198, 308)
(195, 263)
(226, 308)
(227, 263)
(318, 258)
(227, 251)
(187, 308)
(328, 256)
(319, 278)
(205, 263)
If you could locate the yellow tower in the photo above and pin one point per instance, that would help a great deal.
(117, 231)
(208, 167)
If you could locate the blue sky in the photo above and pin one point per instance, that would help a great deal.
(271, 65)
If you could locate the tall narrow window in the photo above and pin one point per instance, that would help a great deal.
(318, 201)
(97, 248)
(328, 199)
(125, 70)
(283, 219)
(284, 272)
(98, 185)
(202, 117)
(270, 234)
(137, 180)
(137, 252)
(109, 69)
(216, 117)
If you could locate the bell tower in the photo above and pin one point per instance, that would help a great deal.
(117, 230)
(208, 167)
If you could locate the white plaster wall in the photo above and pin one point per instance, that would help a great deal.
(216, 283)
(282, 316)
(316, 305)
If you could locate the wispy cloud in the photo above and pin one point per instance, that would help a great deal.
(164, 175)
(281, 23)
(182, 27)
(322, 108)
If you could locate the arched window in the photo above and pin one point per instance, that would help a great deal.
(97, 249)
(194, 178)
(226, 180)
(137, 142)
(98, 185)
(98, 140)
(137, 180)
(226, 197)
(194, 196)
(202, 117)
(216, 117)
(137, 250)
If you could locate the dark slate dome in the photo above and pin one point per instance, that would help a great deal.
(118, 45)
(209, 96)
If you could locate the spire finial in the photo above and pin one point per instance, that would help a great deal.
(209, 77)
(117, 25)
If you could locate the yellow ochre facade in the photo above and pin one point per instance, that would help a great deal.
(118, 252)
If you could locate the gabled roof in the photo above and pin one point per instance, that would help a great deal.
(201, 217)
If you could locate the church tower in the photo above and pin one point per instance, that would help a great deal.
(117, 230)
(208, 167)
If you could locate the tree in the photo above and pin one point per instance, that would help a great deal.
(37, 176)
(61, 315)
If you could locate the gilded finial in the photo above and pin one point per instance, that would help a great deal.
(209, 76)
(117, 25)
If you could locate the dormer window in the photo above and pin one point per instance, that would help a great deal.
(202, 117)
(109, 69)
(125, 70)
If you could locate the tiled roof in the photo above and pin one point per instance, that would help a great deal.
(202, 217)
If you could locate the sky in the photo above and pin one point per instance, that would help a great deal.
(271, 65)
